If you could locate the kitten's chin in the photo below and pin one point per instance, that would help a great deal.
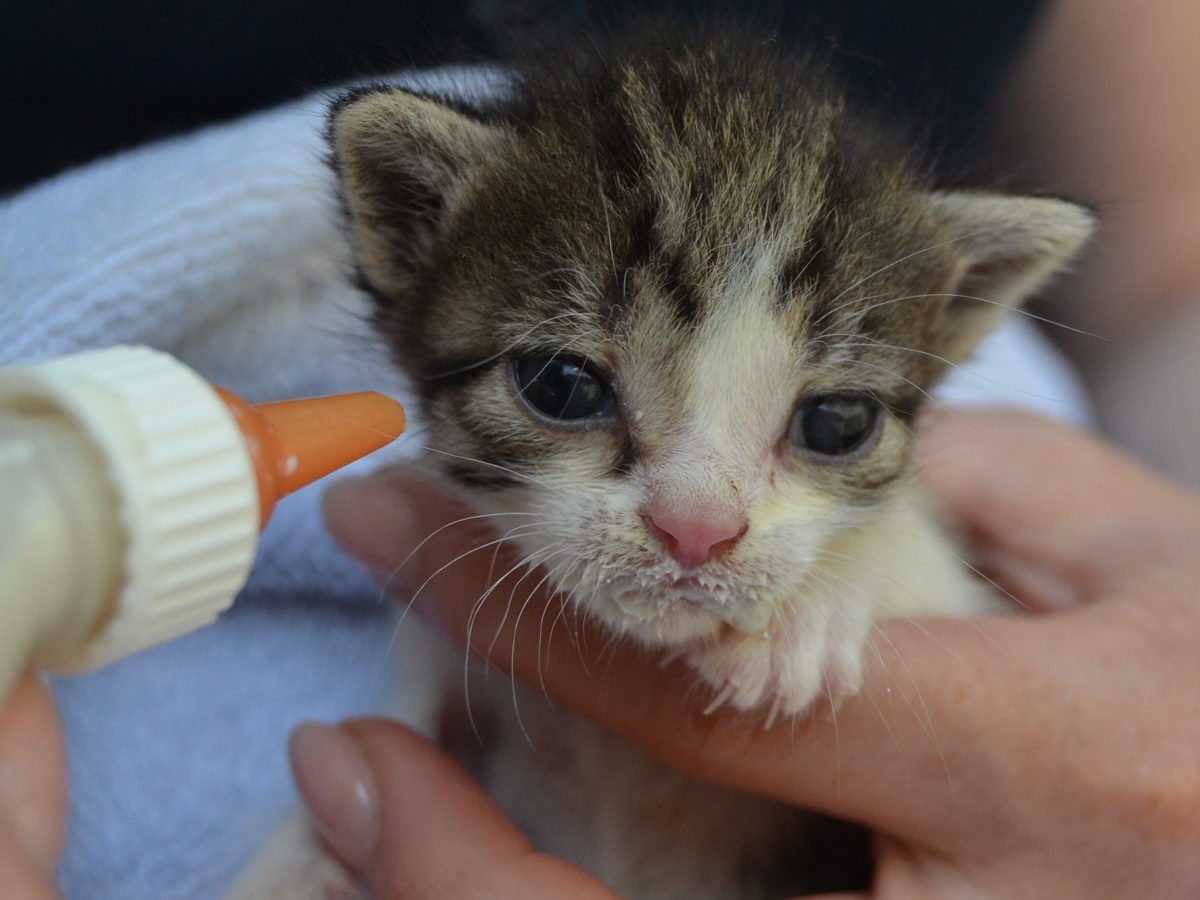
(670, 628)
(681, 614)
(655, 602)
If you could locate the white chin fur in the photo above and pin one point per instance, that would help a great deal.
(658, 606)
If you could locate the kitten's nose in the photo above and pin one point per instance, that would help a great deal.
(694, 537)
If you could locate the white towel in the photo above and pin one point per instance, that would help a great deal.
(223, 247)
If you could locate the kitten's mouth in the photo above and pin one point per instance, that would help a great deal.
(661, 604)
(684, 606)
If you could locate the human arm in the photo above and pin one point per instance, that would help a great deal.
(1044, 755)
(1101, 108)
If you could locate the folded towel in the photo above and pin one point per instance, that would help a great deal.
(224, 248)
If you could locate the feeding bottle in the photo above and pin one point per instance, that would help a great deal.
(132, 493)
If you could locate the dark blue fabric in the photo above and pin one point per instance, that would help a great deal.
(80, 79)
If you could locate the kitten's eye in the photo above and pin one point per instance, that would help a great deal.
(835, 424)
(563, 388)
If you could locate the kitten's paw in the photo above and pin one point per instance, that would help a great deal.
(784, 671)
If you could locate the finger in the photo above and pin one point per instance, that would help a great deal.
(33, 790)
(21, 876)
(913, 720)
(436, 834)
(1055, 514)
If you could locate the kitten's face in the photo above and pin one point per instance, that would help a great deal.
(675, 331)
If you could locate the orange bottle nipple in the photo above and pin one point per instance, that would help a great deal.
(295, 442)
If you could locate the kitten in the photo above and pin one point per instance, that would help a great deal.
(677, 302)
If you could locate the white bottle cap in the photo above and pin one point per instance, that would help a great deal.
(183, 477)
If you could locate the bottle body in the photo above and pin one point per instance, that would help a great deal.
(60, 541)
(139, 510)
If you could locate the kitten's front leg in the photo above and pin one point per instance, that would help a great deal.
(807, 653)
(901, 565)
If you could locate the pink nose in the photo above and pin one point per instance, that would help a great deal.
(693, 538)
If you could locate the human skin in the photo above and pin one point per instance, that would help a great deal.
(33, 792)
(1101, 109)
(1050, 753)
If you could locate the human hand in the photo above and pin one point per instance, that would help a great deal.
(1043, 755)
(411, 823)
(33, 792)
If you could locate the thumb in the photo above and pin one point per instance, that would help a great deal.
(1054, 515)
(429, 829)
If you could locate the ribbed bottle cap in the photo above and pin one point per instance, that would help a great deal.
(179, 465)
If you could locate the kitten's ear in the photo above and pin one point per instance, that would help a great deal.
(404, 161)
(1008, 246)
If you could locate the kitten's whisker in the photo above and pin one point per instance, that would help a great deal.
(386, 583)
(547, 575)
(604, 208)
(837, 733)
(822, 575)
(530, 563)
(857, 340)
(518, 475)
(471, 622)
(874, 633)
(951, 295)
(516, 628)
(567, 600)
(884, 718)
(891, 265)
(457, 559)
(962, 237)
(860, 312)
(965, 563)
(931, 398)
(919, 710)
(511, 346)
(1022, 311)
(548, 633)
(791, 285)
(856, 314)
(406, 607)
(827, 555)
(474, 610)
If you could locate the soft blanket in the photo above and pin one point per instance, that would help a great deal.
(224, 247)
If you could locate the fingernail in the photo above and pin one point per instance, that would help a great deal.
(337, 787)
